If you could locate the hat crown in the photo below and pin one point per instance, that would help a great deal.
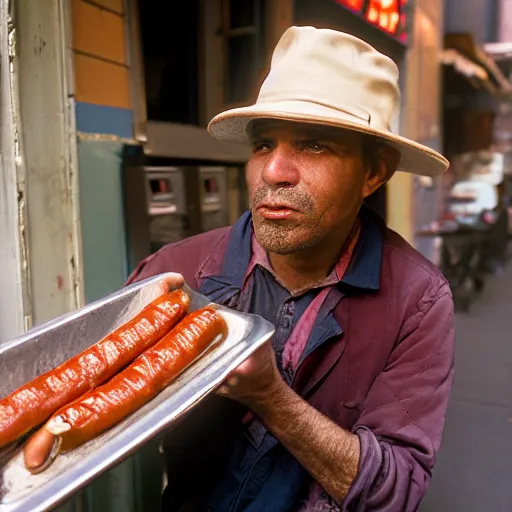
(325, 77)
(336, 70)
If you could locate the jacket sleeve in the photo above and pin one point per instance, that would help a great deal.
(187, 257)
(402, 418)
(180, 257)
(148, 267)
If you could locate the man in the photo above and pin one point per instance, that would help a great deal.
(344, 409)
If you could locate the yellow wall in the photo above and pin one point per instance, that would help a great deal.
(421, 119)
(399, 205)
(99, 44)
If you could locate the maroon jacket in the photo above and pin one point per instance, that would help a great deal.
(387, 377)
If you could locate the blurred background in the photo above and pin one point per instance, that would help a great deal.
(105, 158)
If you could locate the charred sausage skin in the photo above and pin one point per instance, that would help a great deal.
(32, 404)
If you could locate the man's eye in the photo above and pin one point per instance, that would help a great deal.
(261, 147)
(313, 147)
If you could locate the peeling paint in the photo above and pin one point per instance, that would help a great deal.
(76, 281)
(20, 170)
(49, 219)
(14, 87)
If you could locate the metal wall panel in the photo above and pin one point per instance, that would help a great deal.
(48, 155)
(12, 199)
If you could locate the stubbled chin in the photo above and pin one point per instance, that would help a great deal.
(281, 237)
(267, 226)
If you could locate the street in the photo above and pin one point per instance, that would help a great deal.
(474, 468)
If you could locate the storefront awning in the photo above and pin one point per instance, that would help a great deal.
(471, 61)
(474, 73)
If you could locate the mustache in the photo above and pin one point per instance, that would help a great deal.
(293, 197)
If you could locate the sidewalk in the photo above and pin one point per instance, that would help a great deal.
(474, 469)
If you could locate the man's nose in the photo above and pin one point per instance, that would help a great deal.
(280, 168)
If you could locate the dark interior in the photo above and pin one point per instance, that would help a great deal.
(169, 34)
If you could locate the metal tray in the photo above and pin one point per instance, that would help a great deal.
(45, 347)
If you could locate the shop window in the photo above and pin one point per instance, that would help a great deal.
(169, 44)
(243, 49)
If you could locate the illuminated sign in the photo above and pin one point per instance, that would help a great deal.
(390, 16)
(355, 5)
(385, 14)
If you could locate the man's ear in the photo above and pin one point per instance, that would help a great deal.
(391, 158)
(383, 168)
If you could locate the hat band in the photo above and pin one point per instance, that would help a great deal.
(350, 109)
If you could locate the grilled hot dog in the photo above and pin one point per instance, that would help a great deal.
(105, 406)
(33, 403)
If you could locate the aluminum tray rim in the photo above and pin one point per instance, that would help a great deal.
(122, 445)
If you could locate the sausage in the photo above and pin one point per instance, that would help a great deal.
(105, 406)
(33, 403)
(43, 450)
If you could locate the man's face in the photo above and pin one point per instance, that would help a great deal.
(306, 183)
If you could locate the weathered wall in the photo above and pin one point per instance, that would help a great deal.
(101, 68)
(12, 304)
(104, 249)
(48, 159)
(104, 120)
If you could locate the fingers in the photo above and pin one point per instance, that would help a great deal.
(174, 280)
(223, 390)
(227, 386)
(232, 381)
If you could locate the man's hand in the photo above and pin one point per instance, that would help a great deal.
(173, 281)
(255, 380)
(329, 453)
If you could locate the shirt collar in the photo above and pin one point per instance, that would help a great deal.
(260, 257)
(363, 271)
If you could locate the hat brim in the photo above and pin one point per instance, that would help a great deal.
(415, 158)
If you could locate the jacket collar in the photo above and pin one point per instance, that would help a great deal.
(363, 273)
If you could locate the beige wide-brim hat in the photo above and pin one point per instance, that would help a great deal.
(331, 78)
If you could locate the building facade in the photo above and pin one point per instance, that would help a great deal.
(104, 114)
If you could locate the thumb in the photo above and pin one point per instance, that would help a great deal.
(173, 280)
